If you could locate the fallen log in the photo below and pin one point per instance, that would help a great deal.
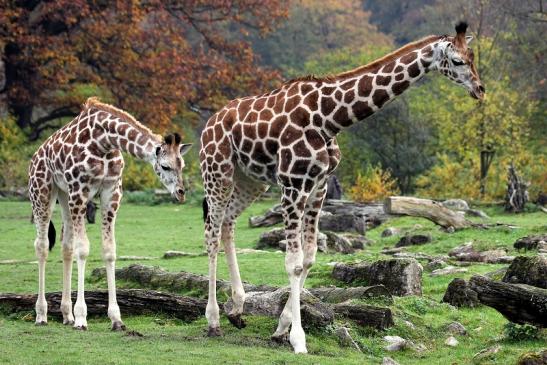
(372, 214)
(156, 278)
(425, 208)
(366, 315)
(131, 301)
(519, 303)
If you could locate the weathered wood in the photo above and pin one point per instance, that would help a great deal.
(517, 191)
(519, 303)
(339, 295)
(425, 208)
(315, 314)
(366, 315)
(131, 301)
(371, 214)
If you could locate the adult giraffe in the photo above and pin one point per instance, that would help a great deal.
(288, 137)
(77, 162)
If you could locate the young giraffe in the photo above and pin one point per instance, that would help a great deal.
(77, 162)
(288, 137)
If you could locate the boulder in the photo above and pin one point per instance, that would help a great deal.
(435, 264)
(451, 341)
(456, 328)
(343, 223)
(531, 242)
(338, 243)
(531, 270)
(358, 241)
(400, 276)
(467, 252)
(389, 361)
(459, 294)
(455, 204)
(391, 231)
(271, 239)
(533, 358)
(395, 343)
(413, 239)
(449, 270)
(345, 338)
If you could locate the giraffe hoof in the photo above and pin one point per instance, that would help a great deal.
(281, 339)
(237, 321)
(41, 323)
(80, 328)
(68, 322)
(214, 332)
(118, 326)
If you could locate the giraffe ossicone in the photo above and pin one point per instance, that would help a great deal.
(288, 137)
(79, 161)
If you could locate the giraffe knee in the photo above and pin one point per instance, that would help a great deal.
(68, 252)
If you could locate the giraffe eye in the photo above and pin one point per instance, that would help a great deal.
(165, 168)
(458, 62)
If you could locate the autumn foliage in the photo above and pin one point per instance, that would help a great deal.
(154, 58)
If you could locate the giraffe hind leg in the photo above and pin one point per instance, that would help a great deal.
(244, 193)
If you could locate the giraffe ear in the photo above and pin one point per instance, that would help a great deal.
(468, 38)
(184, 148)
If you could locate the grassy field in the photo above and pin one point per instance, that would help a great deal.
(150, 231)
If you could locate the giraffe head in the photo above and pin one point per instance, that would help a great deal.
(169, 163)
(455, 61)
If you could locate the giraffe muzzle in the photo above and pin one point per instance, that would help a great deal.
(180, 195)
(478, 92)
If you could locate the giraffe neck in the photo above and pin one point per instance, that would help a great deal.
(124, 135)
(357, 94)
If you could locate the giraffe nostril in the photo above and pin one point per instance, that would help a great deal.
(180, 191)
(481, 89)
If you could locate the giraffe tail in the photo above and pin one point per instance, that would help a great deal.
(205, 209)
(51, 233)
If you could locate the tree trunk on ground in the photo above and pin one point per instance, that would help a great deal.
(366, 315)
(425, 208)
(131, 301)
(518, 303)
(517, 194)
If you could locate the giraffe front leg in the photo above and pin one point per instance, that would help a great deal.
(293, 208)
(110, 202)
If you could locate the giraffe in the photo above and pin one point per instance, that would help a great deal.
(79, 161)
(288, 137)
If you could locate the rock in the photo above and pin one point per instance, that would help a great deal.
(485, 354)
(338, 243)
(400, 276)
(334, 189)
(449, 270)
(322, 242)
(272, 217)
(414, 255)
(459, 294)
(244, 251)
(271, 239)
(496, 274)
(477, 213)
(138, 258)
(467, 252)
(413, 239)
(456, 328)
(435, 264)
(345, 338)
(173, 254)
(533, 358)
(391, 231)
(395, 343)
(455, 204)
(531, 242)
(391, 251)
(343, 223)
(531, 270)
(409, 325)
(358, 241)
(389, 361)
(451, 341)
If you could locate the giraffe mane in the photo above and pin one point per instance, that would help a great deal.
(95, 102)
(372, 66)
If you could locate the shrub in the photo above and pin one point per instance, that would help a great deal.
(373, 185)
(519, 332)
(15, 154)
(138, 175)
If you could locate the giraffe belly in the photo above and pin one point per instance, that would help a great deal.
(265, 173)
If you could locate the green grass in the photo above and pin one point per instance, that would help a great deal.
(150, 231)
